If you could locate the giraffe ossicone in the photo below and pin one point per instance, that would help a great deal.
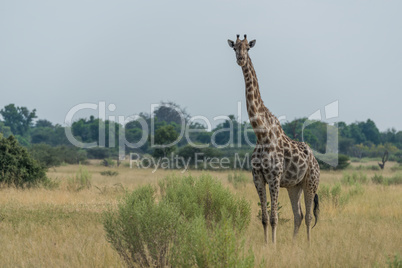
(277, 160)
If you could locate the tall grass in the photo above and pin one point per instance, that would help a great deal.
(81, 180)
(238, 179)
(59, 228)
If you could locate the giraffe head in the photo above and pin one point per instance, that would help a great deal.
(241, 47)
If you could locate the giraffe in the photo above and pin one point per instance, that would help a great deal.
(277, 160)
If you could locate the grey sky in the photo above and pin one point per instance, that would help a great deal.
(57, 54)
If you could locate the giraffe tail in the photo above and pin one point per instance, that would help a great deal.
(316, 209)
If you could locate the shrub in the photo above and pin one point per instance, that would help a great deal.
(370, 167)
(17, 167)
(343, 162)
(108, 162)
(142, 230)
(351, 179)
(54, 156)
(80, 181)
(336, 196)
(109, 173)
(199, 246)
(380, 179)
(205, 196)
(196, 222)
(238, 179)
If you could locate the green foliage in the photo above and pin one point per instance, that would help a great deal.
(343, 161)
(195, 223)
(164, 136)
(108, 162)
(337, 196)
(238, 179)
(88, 130)
(188, 152)
(54, 156)
(394, 180)
(5, 130)
(81, 180)
(199, 246)
(205, 196)
(370, 167)
(351, 179)
(396, 262)
(19, 119)
(142, 230)
(109, 173)
(17, 167)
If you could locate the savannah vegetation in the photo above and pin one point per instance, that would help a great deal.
(65, 206)
(86, 219)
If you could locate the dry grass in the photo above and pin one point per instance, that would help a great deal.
(59, 228)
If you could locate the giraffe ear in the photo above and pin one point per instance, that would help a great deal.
(231, 43)
(252, 43)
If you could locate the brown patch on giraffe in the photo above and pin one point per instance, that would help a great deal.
(287, 153)
(293, 167)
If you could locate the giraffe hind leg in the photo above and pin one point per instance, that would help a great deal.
(294, 196)
(310, 189)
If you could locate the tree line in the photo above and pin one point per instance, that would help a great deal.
(48, 143)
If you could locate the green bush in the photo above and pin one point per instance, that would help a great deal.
(205, 196)
(200, 246)
(238, 179)
(142, 230)
(380, 179)
(196, 222)
(370, 167)
(108, 162)
(81, 180)
(55, 156)
(17, 167)
(335, 195)
(343, 162)
(109, 173)
(351, 179)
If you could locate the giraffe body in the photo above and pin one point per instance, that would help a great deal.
(277, 160)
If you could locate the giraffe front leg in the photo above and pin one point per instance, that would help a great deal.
(274, 192)
(259, 183)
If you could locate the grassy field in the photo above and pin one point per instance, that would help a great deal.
(63, 228)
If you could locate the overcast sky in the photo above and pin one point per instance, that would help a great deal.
(55, 55)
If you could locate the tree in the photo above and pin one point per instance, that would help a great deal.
(164, 136)
(17, 167)
(43, 123)
(370, 131)
(19, 119)
(5, 130)
(171, 112)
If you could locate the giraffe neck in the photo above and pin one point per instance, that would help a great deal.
(265, 124)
